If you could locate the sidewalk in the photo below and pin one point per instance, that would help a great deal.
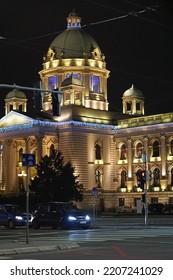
(21, 247)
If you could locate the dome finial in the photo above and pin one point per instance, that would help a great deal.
(73, 20)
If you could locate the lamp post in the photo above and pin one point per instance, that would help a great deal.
(145, 161)
(28, 160)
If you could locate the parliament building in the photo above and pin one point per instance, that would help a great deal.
(71, 113)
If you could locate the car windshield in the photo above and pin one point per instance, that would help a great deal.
(62, 206)
(12, 209)
(69, 207)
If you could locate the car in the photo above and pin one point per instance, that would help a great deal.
(11, 216)
(168, 209)
(155, 208)
(60, 214)
(125, 209)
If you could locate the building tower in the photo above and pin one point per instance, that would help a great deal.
(75, 64)
(133, 101)
(15, 100)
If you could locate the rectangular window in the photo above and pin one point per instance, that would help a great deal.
(95, 84)
(138, 106)
(76, 75)
(52, 82)
(129, 106)
(154, 199)
(170, 200)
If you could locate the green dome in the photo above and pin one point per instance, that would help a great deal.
(15, 93)
(74, 42)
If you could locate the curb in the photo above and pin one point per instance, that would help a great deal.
(23, 250)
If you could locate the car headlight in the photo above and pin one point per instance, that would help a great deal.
(18, 218)
(87, 217)
(71, 218)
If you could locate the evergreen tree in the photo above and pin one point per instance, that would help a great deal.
(55, 180)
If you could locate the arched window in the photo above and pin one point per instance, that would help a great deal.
(52, 148)
(20, 152)
(97, 152)
(138, 177)
(171, 148)
(98, 177)
(139, 149)
(123, 154)
(156, 149)
(129, 106)
(172, 177)
(156, 177)
(123, 179)
(20, 108)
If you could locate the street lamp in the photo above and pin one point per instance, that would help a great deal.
(145, 161)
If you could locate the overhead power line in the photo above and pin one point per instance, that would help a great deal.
(129, 14)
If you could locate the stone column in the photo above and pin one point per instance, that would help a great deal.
(10, 166)
(1, 166)
(39, 147)
(129, 166)
(163, 179)
(27, 145)
(146, 148)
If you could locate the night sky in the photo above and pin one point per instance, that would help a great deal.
(137, 43)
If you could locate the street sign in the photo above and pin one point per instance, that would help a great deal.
(94, 191)
(28, 159)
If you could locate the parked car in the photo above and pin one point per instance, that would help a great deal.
(168, 209)
(60, 214)
(155, 208)
(125, 209)
(11, 216)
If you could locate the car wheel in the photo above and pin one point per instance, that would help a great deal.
(65, 226)
(54, 227)
(86, 227)
(11, 224)
(35, 225)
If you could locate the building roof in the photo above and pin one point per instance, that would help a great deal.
(133, 92)
(72, 80)
(74, 41)
(15, 93)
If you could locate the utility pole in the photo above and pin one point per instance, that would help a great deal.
(145, 161)
(28, 160)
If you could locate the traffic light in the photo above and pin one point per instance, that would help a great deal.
(141, 178)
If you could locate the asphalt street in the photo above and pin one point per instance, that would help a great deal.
(14, 242)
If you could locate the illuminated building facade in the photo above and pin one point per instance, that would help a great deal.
(105, 147)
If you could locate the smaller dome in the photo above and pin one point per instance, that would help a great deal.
(133, 92)
(15, 93)
(72, 81)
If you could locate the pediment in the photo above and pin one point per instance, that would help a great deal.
(15, 118)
